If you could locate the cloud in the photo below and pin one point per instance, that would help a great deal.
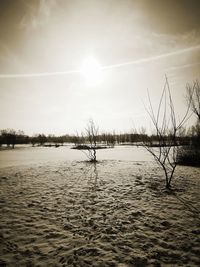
(153, 43)
(37, 14)
(8, 56)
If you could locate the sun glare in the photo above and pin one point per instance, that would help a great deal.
(91, 71)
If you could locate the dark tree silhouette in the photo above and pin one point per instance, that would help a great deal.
(9, 137)
(193, 98)
(166, 133)
(41, 139)
(91, 137)
(190, 155)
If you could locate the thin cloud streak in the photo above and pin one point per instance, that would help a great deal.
(183, 66)
(134, 62)
(153, 58)
(42, 74)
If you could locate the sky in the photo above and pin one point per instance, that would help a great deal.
(63, 62)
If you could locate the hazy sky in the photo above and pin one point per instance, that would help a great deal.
(45, 43)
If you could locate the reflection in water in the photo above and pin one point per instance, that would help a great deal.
(88, 175)
(93, 176)
(93, 197)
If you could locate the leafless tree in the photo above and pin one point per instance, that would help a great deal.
(91, 137)
(193, 97)
(166, 131)
(190, 155)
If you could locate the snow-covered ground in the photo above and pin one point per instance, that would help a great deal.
(58, 210)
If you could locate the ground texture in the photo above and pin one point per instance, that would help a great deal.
(114, 213)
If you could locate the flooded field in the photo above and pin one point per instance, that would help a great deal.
(23, 155)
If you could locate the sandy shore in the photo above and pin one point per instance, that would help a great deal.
(114, 214)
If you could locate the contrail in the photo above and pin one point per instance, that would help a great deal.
(153, 58)
(41, 74)
(183, 66)
(133, 62)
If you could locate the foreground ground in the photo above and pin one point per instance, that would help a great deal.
(114, 213)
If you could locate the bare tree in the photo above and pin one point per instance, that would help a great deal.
(91, 137)
(166, 132)
(193, 97)
(190, 154)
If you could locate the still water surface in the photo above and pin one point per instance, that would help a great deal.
(38, 155)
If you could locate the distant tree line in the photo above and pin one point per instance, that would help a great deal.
(11, 137)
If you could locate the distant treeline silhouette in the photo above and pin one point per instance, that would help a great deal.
(11, 137)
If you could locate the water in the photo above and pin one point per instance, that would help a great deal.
(22, 155)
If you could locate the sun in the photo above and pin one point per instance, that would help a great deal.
(92, 71)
